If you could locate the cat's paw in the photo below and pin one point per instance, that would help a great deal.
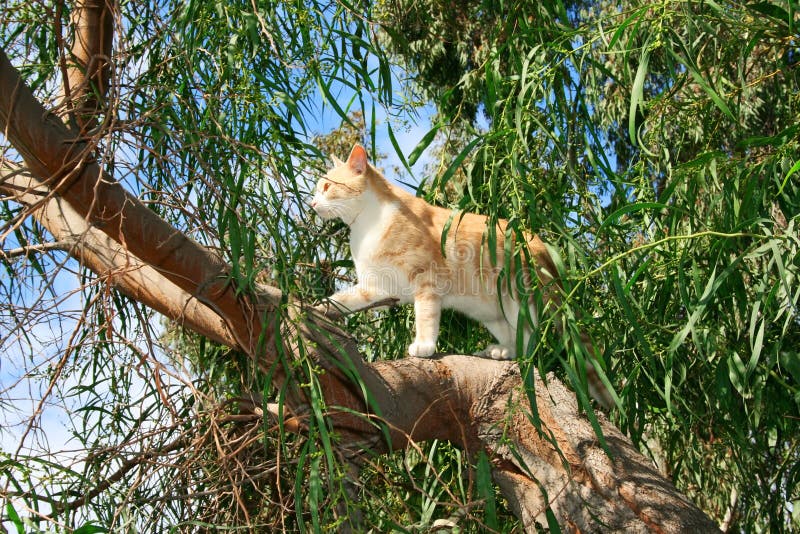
(328, 308)
(496, 352)
(422, 349)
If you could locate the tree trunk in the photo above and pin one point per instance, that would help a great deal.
(550, 466)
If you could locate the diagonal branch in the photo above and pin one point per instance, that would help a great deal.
(109, 260)
(51, 152)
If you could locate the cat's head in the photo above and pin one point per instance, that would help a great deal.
(339, 194)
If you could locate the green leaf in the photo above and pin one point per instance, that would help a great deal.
(552, 522)
(713, 283)
(757, 345)
(772, 10)
(631, 208)
(633, 321)
(737, 373)
(423, 144)
(704, 84)
(397, 150)
(457, 161)
(14, 518)
(794, 169)
(446, 230)
(637, 94)
(627, 22)
(485, 489)
(90, 528)
(777, 140)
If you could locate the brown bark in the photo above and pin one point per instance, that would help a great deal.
(481, 405)
(555, 464)
(116, 265)
(67, 168)
(89, 63)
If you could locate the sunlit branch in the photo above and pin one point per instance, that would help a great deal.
(108, 259)
(29, 250)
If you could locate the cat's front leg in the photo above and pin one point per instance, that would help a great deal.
(353, 299)
(427, 314)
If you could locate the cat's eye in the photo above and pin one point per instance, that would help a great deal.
(325, 187)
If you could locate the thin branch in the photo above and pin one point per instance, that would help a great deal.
(64, 245)
(125, 468)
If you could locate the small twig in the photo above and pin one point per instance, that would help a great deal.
(126, 466)
(65, 245)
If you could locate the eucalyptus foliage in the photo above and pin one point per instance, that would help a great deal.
(655, 145)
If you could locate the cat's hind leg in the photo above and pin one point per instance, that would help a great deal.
(427, 314)
(497, 352)
(504, 349)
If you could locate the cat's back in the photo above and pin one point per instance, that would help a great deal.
(414, 234)
(411, 228)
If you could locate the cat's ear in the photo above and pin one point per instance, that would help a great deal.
(358, 159)
(336, 161)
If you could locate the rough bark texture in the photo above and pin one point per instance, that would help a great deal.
(478, 404)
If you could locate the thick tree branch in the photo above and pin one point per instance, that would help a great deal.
(67, 168)
(481, 405)
(118, 266)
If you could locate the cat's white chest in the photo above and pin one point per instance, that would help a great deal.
(367, 241)
(368, 231)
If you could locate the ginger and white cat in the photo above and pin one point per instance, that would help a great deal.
(396, 243)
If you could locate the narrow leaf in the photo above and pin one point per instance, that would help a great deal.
(14, 518)
(637, 93)
(485, 488)
(397, 149)
(423, 144)
(630, 208)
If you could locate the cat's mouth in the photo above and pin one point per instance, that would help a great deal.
(326, 213)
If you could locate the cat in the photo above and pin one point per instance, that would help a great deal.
(397, 244)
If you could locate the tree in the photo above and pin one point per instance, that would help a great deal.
(202, 115)
(660, 152)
